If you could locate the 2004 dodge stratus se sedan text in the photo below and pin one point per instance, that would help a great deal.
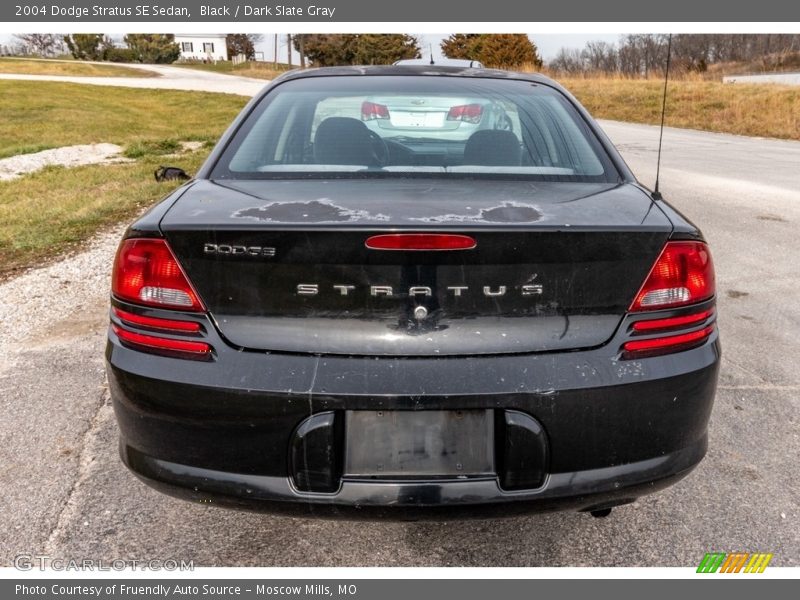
(376, 301)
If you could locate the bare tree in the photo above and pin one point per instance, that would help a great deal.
(569, 61)
(600, 57)
(41, 44)
(644, 55)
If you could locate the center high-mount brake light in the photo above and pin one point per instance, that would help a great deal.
(468, 113)
(420, 241)
(682, 275)
(371, 111)
(146, 272)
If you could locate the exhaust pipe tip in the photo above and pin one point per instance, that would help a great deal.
(601, 511)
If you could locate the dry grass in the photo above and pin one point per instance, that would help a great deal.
(771, 63)
(757, 110)
(30, 66)
(693, 102)
(258, 70)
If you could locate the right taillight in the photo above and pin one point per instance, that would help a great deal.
(468, 113)
(682, 275)
(681, 278)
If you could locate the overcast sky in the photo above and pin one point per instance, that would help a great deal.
(548, 44)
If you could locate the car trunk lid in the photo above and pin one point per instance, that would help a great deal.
(283, 265)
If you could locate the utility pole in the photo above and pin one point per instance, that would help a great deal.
(289, 48)
(275, 55)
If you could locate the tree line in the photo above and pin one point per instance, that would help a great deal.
(640, 55)
(493, 50)
(139, 47)
(635, 55)
(319, 50)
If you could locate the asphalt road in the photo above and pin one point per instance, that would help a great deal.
(780, 78)
(66, 494)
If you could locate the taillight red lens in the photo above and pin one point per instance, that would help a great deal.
(372, 110)
(469, 113)
(420, 241)
(667, 344)
(157, 322)
(682, 275)
(180, 348)
(147, 272)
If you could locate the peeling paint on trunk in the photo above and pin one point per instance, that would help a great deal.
(312, 211)
(507, 212)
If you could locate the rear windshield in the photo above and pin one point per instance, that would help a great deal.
(385, 126)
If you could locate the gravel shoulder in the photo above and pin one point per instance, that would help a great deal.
(63, 293)
(66, 156)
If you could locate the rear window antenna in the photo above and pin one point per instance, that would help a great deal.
(656, 193)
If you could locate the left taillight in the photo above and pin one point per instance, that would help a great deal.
(372, 110)
(146, 272)
(147, 275)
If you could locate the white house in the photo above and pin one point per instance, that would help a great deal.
(208, 47)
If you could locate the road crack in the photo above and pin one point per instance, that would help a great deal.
(69, 512)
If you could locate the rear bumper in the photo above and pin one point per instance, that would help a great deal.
(481, 498)
(222, 431)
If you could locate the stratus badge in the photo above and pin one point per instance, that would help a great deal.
(529, 289)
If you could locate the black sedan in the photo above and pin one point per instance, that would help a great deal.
(342, 320)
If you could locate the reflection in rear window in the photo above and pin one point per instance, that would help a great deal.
(356, 126)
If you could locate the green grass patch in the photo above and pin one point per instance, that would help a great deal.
(24, 149)
(71, 68)
(40, 115)
(143, 148)
(46, 213)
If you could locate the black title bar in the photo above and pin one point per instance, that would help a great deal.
(443, 11)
